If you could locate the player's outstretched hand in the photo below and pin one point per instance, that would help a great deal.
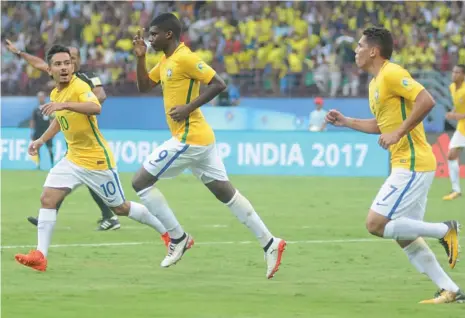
(11, 47)
(388, 139)
(34, 147)
(179, 113)
(451, 116)
(49, 108)
(335, 117)
(140, 47)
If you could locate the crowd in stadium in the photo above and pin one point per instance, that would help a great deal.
(262, 48)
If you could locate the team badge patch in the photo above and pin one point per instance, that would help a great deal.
(406, 83)
(169, 73)
(200, 66)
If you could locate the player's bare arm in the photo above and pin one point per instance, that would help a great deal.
(34, 61)
(51, 131)
(144, 83)
(422, 106)
(86, 108)
(216, 86)
(453, 115)
(336, 118)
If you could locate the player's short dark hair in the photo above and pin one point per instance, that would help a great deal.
(168, 22)
(462, 67)
(381, 38)
(57, 48)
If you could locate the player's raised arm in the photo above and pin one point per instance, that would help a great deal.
(369, 126)
(144, 81)
(34, 61)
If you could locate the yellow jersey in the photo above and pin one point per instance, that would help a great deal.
(180, 76)
(458, 97)
(392, 95)
(86, 146)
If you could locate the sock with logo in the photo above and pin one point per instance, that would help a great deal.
(156, 203)
(424, 260)
(408, 229)
(244, 211)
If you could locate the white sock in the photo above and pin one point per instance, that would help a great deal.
(139, 213)
(408, 229)
(454, 174)
(424, 260)
(156, 203)
(244, 211)
(45, 225)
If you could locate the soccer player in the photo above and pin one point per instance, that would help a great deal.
(457, 143)
(399, 105)
(192, 146)
(109, 221)
(88, 159)
(39, 124)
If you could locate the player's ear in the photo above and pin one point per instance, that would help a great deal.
(169, 34)
(373, 51)
(49, 70)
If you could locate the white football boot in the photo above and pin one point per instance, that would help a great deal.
(176, 251)
(273, 256)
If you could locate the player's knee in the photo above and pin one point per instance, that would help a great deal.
(374, 227)
(48, 202)
(222, 190)
(122, 210)
(136, 184)
(142, 180)
(452, 155)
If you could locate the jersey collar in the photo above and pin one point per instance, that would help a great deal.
(70, 82)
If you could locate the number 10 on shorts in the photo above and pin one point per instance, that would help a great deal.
(108, 188)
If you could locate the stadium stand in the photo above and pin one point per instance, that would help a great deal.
(267, 48)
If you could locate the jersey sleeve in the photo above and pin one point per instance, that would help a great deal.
(401, 83)
(154, 73)
(85, 94)
(197, 69)
(88, 97)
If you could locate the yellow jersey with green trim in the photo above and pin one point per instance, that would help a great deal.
(180, 76)
(458, 98)
(86, 146)
(392, 94)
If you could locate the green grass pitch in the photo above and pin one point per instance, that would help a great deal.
(332, 266)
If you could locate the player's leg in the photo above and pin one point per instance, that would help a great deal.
(456, 145)
(109, 220)
(421, 256)
(166, 161)
(60, 181)
(106, 185)
(424, 260)
(389, 216)
(209, 168)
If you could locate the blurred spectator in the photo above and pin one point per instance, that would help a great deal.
(317, 116)
(267, 48)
